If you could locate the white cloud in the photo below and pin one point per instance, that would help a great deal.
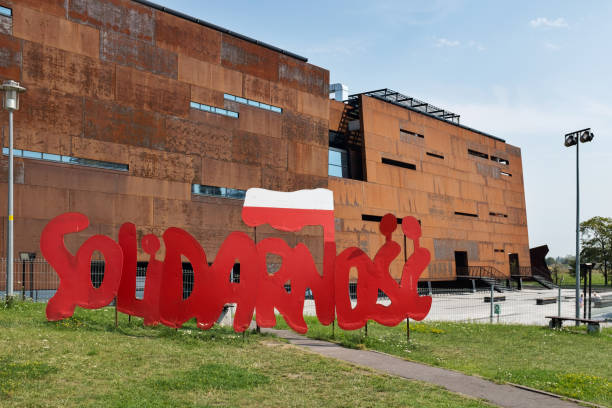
(444, 42)
(551, 46)
(476, 45)
(546, 23)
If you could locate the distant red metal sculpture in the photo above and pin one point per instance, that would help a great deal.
(258, 291)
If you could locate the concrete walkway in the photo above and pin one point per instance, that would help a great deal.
(501, 395)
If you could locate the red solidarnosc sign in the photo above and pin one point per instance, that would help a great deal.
(258, 291)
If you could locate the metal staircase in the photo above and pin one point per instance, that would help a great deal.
(489, 275)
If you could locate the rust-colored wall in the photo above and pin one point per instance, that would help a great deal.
(112, 80)
(434, 191)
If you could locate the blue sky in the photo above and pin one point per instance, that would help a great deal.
(528, 72)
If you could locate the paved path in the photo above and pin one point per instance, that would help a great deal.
(502, 395)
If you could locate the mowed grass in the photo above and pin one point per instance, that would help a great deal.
(568, 362)
(85, 362)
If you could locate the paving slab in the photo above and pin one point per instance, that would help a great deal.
(498, 394)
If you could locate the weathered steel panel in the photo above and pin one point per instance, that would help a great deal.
(51, 68)
(111, 122)
(134, 53)
(56, 32)
(187, 38)
(249, 58)
(150, 92)
(10, 57)
(123, 16)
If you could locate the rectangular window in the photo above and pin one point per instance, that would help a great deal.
(500, 160)
(478, 154)
(498, 250)
(503, 173)
(378, 218)
(253, 103)
(212, 109)
(438, 156)
(338, 162)
(4, 11)
(27, 154)
(465, 214)
(398, 163)
(407, 132)
(501, 215)
(214, 191)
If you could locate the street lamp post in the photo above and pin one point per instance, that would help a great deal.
(575, 138)
(10, 102)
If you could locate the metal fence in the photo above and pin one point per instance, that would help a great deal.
(38, 281)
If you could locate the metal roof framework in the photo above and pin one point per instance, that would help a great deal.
(413, 104)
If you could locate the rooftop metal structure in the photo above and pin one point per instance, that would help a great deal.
(396, 98)
(413, 104)
(218, 28)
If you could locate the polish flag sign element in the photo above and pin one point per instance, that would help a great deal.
(290, 211)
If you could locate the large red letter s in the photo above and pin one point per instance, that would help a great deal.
(76, 288)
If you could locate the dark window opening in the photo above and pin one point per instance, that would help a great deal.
(466, 214)
(494, 214)
(500, 160)
(478, 154)
(398, 163)
(378, 218)
(407, 132)
(345, 158)
(461, 263)
(503, 173)
(439, 156)
(498, 250)
(513, 260)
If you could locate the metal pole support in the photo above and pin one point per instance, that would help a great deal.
(492, 301)
(10, 261)
(577, 234)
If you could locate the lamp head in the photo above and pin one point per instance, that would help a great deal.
(586, 136)
(10, 100)
(570, 140)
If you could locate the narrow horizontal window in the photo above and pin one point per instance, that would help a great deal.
(500, 160)
(439, 156)
(466, 214)
(253, 103)
(57, 158)
(498, 250)
(503, 173)
(214, 191)
(407, 132)
(494, 214)
(212, 109)
(398, 163)
(4, 11)
(478, 154)
(378, 218)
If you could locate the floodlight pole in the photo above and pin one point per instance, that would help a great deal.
(575, 138)
(577, 268)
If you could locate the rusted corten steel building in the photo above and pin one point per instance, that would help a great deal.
(137, 113)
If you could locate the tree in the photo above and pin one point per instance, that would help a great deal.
(550, 261)
(597, 243)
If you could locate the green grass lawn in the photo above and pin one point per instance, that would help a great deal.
(567, 362)
(85, 362)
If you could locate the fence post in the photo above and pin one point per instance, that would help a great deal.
(559, 302)
(492, 301)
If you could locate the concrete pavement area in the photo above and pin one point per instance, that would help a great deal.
(498, 394)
